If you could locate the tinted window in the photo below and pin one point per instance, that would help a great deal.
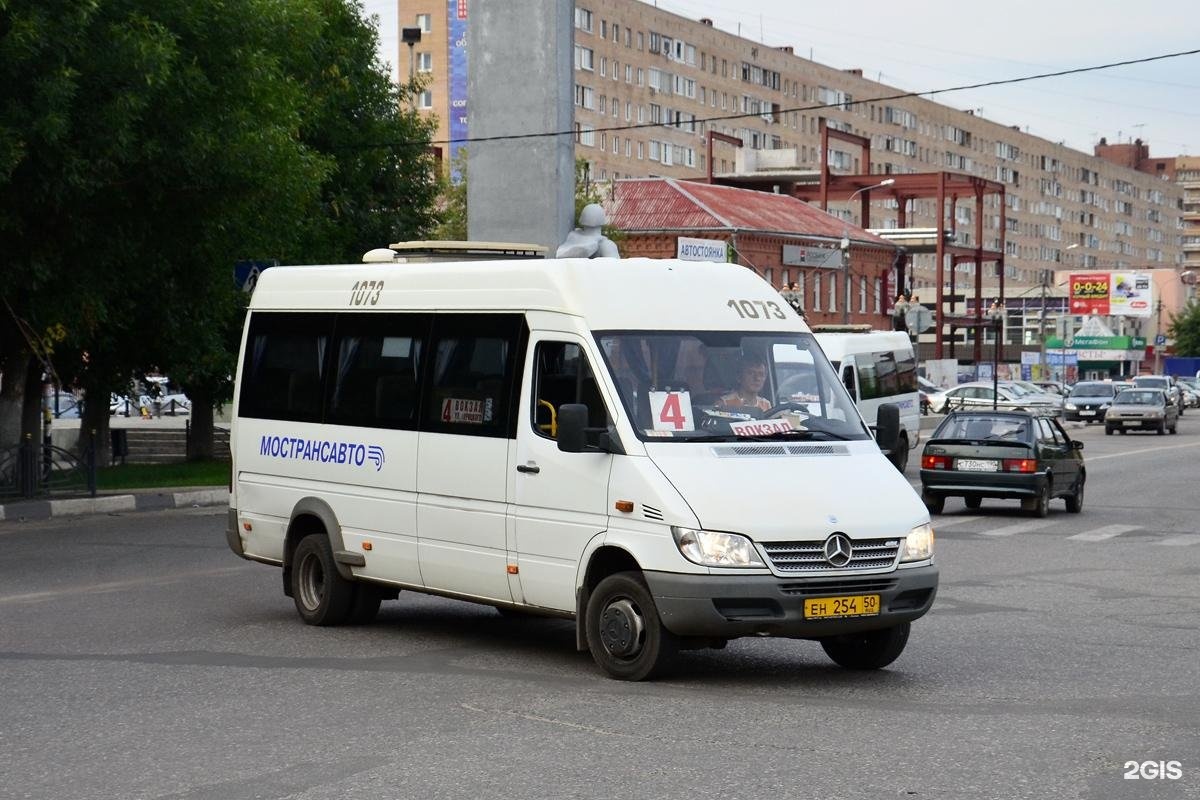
(563, 375)
(876, 375)
(906, 372)
(284, 366)
(475, 359)
(377, 370)
(985, 426)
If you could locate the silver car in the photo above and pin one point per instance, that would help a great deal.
(1141, 410)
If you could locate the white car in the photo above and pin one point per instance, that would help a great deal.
(980, 394)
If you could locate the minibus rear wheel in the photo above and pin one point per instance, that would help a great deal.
(869, 649)
(624, 633)
(322, 596)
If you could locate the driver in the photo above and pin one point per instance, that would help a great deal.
(751, 378)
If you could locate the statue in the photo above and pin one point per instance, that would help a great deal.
(587, 241)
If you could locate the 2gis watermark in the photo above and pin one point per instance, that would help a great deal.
(1152, 770)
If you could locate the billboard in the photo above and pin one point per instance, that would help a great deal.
(1123, 294)
(456, 26)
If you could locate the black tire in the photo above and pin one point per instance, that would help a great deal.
(869, 649)
(1108, 431)
(934, 502)
(973, 502)
(1162, 428)
(365, 607)
(624, 632)
(1039, 506)
(1075, 501)
(322, 596)
(899, 458)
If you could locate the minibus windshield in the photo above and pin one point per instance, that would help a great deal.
(726, 386)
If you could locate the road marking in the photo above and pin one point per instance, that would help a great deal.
(1144, 450)
(1020, 527)
(1182, 540)
(117, 586)
(1100, 534)
(949, 522)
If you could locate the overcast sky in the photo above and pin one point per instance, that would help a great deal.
(920, 45)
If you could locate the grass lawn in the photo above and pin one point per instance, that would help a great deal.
(150, 476)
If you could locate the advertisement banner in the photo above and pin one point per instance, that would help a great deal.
(1089, 292)
(456, 26)
(1122, 294)
(1131, 294)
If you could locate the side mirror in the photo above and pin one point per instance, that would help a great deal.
(572, 425)
(887, 427)
(1076, 444)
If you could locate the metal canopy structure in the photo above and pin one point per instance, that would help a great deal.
(947, 189)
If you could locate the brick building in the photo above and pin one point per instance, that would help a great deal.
(781, 238)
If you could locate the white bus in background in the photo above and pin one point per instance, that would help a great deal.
(561, 438)
(877, 367)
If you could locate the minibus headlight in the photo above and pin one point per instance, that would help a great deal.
(716, 549)
(918, 546)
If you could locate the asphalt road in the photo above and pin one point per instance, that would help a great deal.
(140, 659)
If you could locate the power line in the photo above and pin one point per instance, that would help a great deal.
(843, 106)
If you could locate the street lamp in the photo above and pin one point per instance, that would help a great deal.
(995, 317)
(1042, 323)
(411, 37)
(845, 245)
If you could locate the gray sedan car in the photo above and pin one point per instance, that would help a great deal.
(1141, 410)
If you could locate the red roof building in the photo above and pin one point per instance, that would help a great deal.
(781, 238)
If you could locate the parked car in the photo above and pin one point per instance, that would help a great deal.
(1163, 382)
(1030, 389)
(1191, 392)
(1088, 401)
(1052, 387)
(64, 405)
(979, 394)
(1142, 409)
(1002, 454)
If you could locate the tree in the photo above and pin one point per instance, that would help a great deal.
(1185, 330)
(146, 146)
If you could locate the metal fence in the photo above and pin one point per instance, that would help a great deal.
(31, 470)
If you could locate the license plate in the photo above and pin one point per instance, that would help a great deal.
(1132, 422)
(859, 605)
(977, 465)
(1087, 413)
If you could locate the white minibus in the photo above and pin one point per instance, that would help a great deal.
(878, 367)
(604, 440)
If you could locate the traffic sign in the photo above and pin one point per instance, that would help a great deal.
(1160, 339)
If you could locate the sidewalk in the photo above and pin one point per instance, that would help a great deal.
(130, 500)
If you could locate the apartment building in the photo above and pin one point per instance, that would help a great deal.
(650, 85)
(1187, 175)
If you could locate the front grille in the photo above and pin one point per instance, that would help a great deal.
(796, 557)
(860, 586)
(760, 450)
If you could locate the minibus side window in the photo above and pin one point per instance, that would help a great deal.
(906, 372)
(564, 375)
(376, 372)
(475, 358)
(284, 366)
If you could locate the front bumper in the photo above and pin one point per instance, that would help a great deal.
(1084, 414)
(1012, 485)
(1134, 423)
(764, 605)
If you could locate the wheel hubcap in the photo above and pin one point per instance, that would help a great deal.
(621, 628)
(312, 582)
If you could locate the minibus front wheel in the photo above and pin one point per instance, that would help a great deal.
(624, 633)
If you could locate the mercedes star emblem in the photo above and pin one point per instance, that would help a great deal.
(838, 550)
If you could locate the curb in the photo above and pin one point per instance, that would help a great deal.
(29, 510)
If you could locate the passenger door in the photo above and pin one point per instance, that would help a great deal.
(1054, 454)
(467, 423)
(559, 500)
